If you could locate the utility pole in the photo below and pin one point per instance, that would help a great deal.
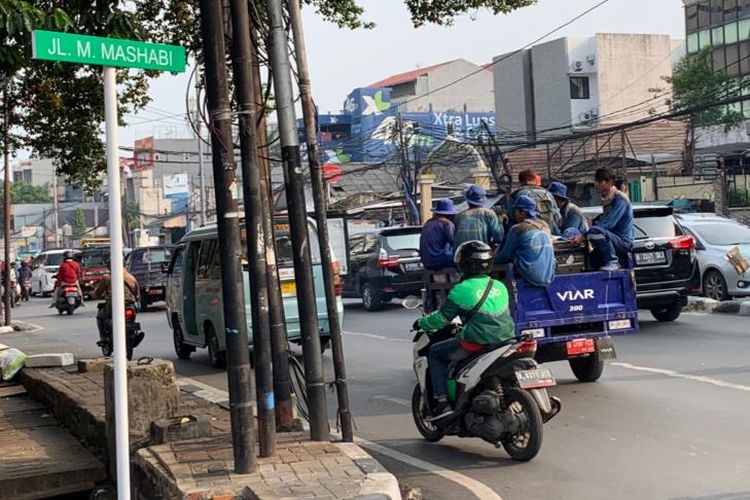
(256, 245)
(319, 199)
(295, 194)
(56, 207)
(201, 166)
(6, 202)
(282, 383)
(227, 216)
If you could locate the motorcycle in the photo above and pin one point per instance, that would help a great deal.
(499, 394)
(25, 290)
(69, 300)
(133, 334)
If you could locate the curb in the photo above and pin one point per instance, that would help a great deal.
(379, 484)
(737, 307)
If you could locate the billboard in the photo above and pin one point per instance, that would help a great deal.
(177, 189)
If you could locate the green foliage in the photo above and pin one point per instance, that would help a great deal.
(78, 224)
(695, 84)
(739, 197)
(443, 12)
(22, 192)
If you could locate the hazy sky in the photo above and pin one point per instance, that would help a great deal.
(342, 60)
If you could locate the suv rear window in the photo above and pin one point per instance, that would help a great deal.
(157, 255)
(404, 241)
(656, 223)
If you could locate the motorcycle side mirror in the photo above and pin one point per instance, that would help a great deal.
(412, 302)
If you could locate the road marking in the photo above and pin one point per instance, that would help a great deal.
(685, 376)
(479, 490)
(398, 401)
(377, 337)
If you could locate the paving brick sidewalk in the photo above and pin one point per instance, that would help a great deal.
(203, 468)
(38, 458)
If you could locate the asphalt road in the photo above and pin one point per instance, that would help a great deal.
(668, 420)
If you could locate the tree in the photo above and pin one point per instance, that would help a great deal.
(58, 108)
(78, 224)
(694, 84)
(22, 192)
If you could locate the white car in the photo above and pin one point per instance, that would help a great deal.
(44, 268)
(715, 236)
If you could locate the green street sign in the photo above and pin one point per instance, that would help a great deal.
(84, 49)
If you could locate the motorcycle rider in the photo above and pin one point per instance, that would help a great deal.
(24, 272)
(68, 274)
(103, 291)
(482, 304)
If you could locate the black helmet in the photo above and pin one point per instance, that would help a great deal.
(473, 258)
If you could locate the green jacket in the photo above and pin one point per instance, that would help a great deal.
(492, 324)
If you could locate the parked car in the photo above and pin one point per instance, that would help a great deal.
(94, 263)
(383, 265)
(715, 236)
(44, 268)
(194, 295)
(666, 265)
(147, 264)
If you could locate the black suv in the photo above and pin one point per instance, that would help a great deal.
(383, 265)
(666, 267)
(147, 265)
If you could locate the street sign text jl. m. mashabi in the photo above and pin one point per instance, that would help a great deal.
(84, 49)
(112, 53)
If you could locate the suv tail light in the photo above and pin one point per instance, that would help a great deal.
(682, 243)
(338, 284)
(129, 313)
(385, 262)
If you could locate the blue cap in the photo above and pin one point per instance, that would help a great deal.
(559, 190)
(445, 207)
(476, 195)
(571, 233)
(527, 204)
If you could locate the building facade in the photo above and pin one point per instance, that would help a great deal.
(572, 83)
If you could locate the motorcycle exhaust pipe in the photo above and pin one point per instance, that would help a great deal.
(556, 406)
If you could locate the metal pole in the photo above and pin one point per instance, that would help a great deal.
(118, 285)
(318, 191)
(239, 372)
(56, 207)
(6, 203)
(290, 155)
(282, 383)
(313, 152)
(201, 167)
(256, 244)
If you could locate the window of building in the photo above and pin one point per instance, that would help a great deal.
(704, 15)
(733, 60)
(717, 12)
(744, 29)
(692, 42)
(717, 36)
(745, 58)
(719, 60)
(730, 10)
(731, 34)
(579, 87)
(691, 18)
(743, 9)
(704, 39)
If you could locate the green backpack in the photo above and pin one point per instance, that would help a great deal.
(545, 203)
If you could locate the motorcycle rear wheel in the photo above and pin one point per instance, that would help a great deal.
(524, 445)
(420, 411)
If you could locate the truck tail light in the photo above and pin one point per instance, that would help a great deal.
(338, 283)
(682, 243)
(385, 262)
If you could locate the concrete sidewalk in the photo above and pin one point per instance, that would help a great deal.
(203, 468)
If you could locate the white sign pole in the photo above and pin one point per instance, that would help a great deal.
(118, 285)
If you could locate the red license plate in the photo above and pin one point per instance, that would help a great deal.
(580, 346)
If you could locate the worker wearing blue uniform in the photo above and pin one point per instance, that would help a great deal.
(570, 214)
(529, 245)
(436, 240)
(613, 232)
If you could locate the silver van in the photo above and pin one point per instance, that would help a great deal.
(194, 296)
